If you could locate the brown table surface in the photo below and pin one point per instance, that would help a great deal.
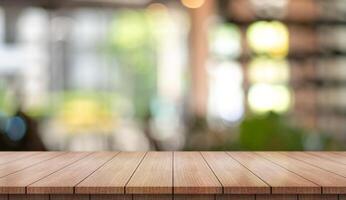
(173, 173)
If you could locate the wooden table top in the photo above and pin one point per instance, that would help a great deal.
(172, 173)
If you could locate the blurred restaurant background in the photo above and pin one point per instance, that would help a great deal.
(134, 75)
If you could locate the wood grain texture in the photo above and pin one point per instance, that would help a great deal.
(65, 180)
(110, 197)
(6, 157)
(317, 197)
(28, 197)
(16, 183)
(276, 197)
(160, 175)
(192, 175)
(194, 197)
(234, 197)
(152, 197)
(154, 175)
(113, 176)
(339, 157)
(30, 160)
(320, 162)
(280, 179)
(331, 183)
(69, 197)
(235, 178)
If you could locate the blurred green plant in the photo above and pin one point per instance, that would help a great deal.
(81, 110)
(270, 132)
(131, 41)
(7, 103)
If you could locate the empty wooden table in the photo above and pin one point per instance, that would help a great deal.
(173, 175)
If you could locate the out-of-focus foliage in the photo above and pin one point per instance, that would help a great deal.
(132, 43)
(86, 111)
(6, 103)
(270, 132)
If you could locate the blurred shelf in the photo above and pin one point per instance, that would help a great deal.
(312, 24)
(297, 56)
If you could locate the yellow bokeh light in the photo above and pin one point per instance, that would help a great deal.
(192, 3)
(266, 97)
(157, 7)
(264, 70)
(80, 115)
(269, 38)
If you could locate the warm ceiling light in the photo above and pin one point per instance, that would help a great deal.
(192, 3)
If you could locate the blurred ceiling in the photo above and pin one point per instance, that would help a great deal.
(52, 4)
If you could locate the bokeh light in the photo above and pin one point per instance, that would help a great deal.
(266, 97)
(16, 128)
(79, 114)
(270, 38)
(157, 7)
(225, 91)
(264, 70)
(225, 40)
(192, 3)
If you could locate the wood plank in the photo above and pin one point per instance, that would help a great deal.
(16, 183)
(235, 178)
(281, 180)
(113, 176)
(276, 197)
(28, 161)
(110, 197)
(29, 197)
(317, 197)
(69, 197)
(65, 180)
(322, 163)
(154, 175)
(6, 157)
(330, 182)
(235, 197)
(152, 197)
(339, 157)
(194, 197)
(192, 175)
